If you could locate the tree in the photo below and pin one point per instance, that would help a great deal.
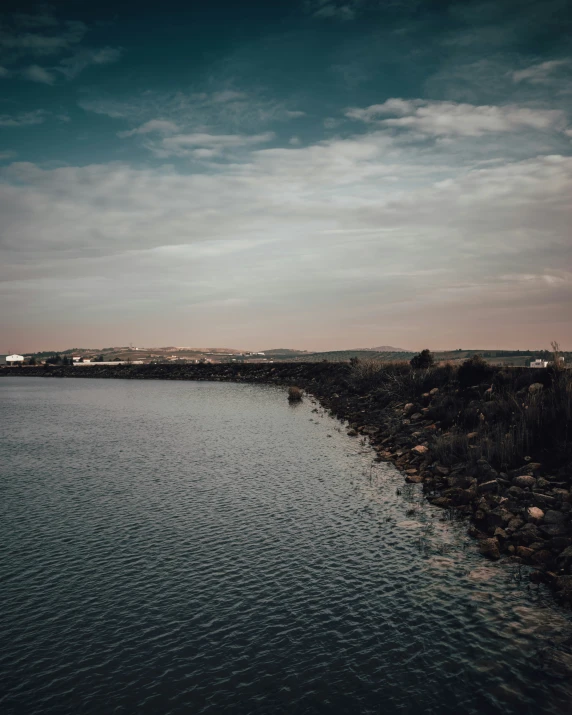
(423, 360)
(32, 361)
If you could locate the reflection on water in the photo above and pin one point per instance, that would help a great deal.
(203, 547)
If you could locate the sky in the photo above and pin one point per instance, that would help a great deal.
(311, 174)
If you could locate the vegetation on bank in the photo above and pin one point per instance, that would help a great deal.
(478, 411)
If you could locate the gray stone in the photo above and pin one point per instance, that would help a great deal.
(524, 481)
(554, 517)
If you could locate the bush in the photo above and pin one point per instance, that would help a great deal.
(294, 394)
(423, 360)
(474, 371)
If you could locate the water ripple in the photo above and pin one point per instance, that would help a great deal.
(204, 547)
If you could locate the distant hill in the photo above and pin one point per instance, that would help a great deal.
(386, 349)
(284, 351)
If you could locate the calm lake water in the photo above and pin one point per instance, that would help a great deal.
(180, 547)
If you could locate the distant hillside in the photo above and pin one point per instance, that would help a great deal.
(387, 349)
(285, 351)
(345, 355)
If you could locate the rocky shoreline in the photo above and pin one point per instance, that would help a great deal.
(523, 513)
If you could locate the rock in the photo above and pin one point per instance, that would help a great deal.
(515, 493)
(515, 524)
(554, 529)
(528, 534)
(564, 560)
(409, 407)
(563, 586)
(441, 502)
(560, 543)
(420, 450)
(524, 552)
(416, 416)
(535, 388)
(524, 481)
(490, 548)
(457, 495)
(487, 487)
(442, 471)
(554, 517)
(543, 500)
(535, 515)
(500, 534)
(352, 433)
(414, 479)
(542, 483)
(472, 435)
(434, 391)
(542, 557)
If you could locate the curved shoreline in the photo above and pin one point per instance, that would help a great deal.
(524, 515)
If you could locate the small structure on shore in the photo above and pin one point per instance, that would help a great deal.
(539, 363)
(12, 359)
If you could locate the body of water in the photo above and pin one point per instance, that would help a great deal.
(179, 547)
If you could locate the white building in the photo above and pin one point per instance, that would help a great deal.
(539, 363)
(13, 359)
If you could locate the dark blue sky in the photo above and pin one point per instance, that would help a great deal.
(318, 173)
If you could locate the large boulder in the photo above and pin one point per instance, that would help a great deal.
(528, 534)
(490, 548)
(554, 529)
(524, 481)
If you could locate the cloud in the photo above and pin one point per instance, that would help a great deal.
(541, 73)
(203, 145)
(23, 119)
(36, 73)
(162, 126)
(334, 9)
(28, 43)
(228, 95)
(9, 154)
(355, 228)
(72, 66)
(222, 111)
(50, 38)
(434, 118)
(45, 18)
(4, 72)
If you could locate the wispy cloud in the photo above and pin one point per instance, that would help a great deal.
(205, 146)
(221, 110)
(163, 126)
(23, 119)
(42, 35)
(35, 73)
(72, 66)
(455, 119)
(541, 73)
(334, 9)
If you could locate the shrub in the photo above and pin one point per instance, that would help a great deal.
(474, 371)
(294, 394)
(423, 360)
